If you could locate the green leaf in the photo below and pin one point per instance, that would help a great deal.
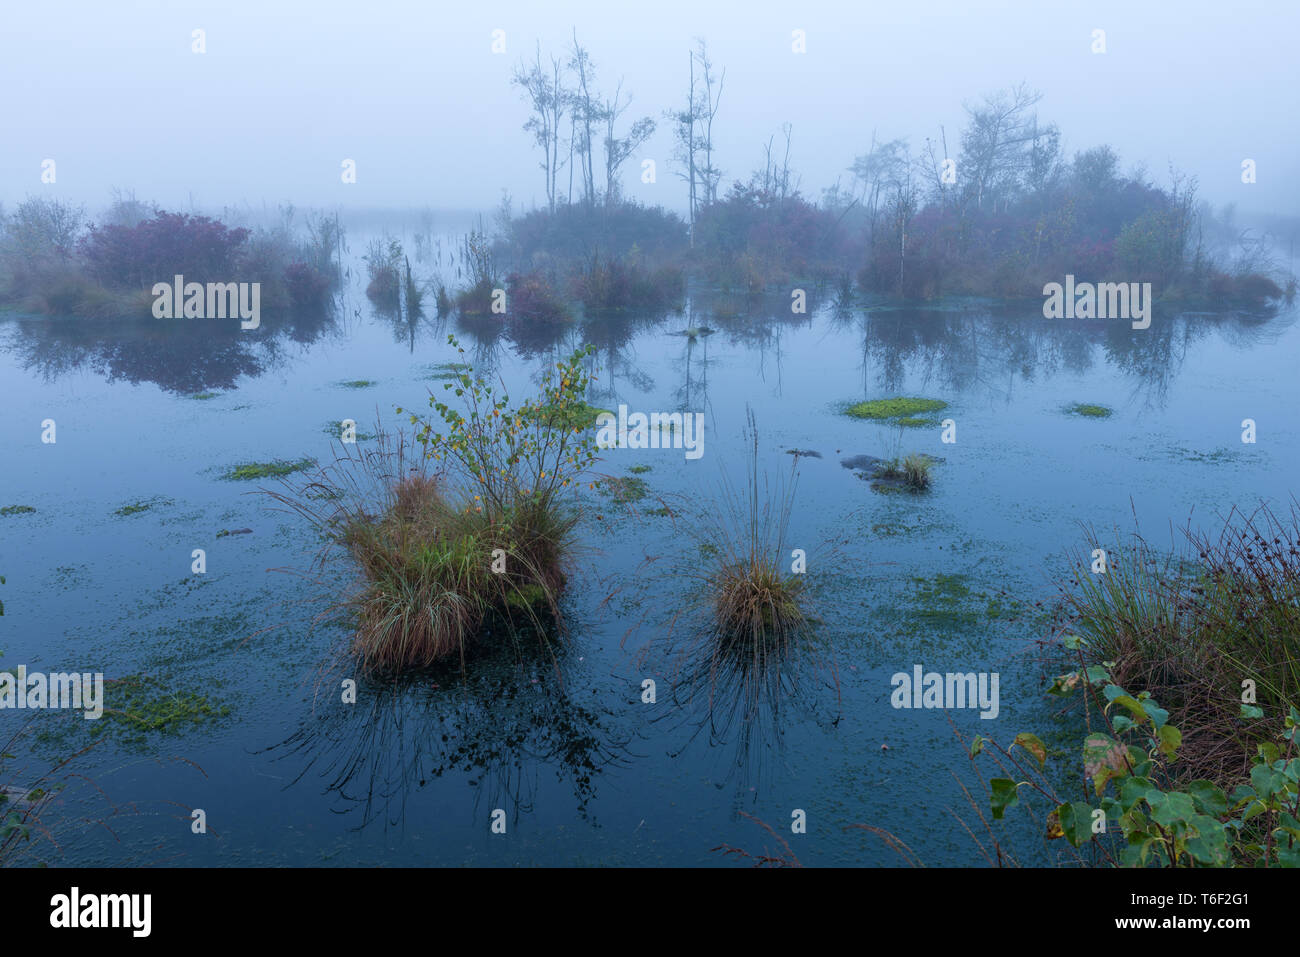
(1267, 781)
(1170, 739)
(1171, 807)
(1209, 845)
(1004, 795)
(1209, 797)
(1076, 822)
(1134, 706)
(1157, 714)
(1096, 674)
(1135, 789)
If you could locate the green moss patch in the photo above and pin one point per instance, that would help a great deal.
(251, 471)
(895, 409)
(1090, 411)
(135, 508)
(625, 489)
(446, 370)
(137, 706)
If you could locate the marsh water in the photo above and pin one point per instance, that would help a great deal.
(958, 579)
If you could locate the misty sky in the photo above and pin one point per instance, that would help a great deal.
(412, 92)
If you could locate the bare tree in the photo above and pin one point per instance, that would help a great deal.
(547, 98)
(588, 112)
(684, 134)
(708, 107)
(693, 131)
(876, 173)
(617, 150)
(995, 143)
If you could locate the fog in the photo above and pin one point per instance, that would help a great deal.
(414, 94)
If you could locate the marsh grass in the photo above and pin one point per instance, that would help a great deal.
(916, 472)
(463, 539)
(1191, 624)
(911, 472)
(745, 639)
(426, 590)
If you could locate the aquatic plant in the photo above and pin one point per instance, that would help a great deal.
(1090, 411)
(135, 508)
(896, 408)
(916, 472)
(910, 473)
(139, 705)
(383, 267)
(532, 299)
(624, 489)
(413, 294)
(766, 858)
(16, 510)
(443, 301)
(250, 471)
(744, 647)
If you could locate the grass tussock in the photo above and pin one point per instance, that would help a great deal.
(754, 601)
(461, 534)
(750, 649)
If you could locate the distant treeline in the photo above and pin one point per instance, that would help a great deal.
(54, 261)
(1000, 215)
